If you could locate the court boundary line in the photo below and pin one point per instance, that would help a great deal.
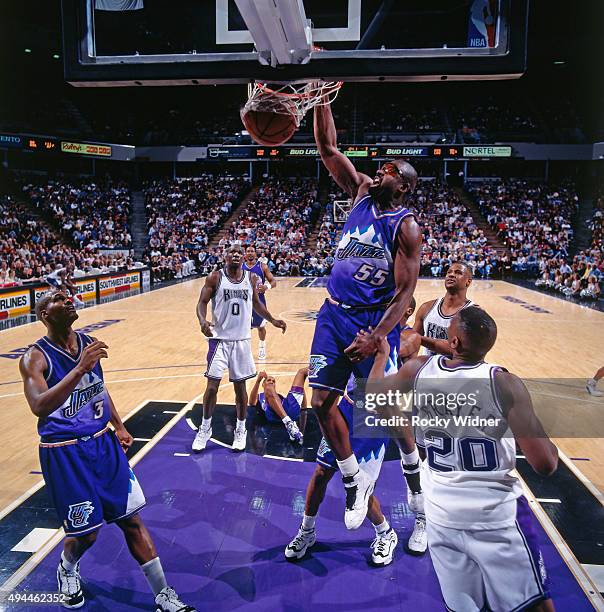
(581, 576)
(585, 481)
(549, 295)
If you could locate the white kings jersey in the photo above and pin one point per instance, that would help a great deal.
(436, 324)
(470, 450)
(232, 308)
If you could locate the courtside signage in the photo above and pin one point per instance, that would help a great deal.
(119, 283)
(81, 148)
(14, 303)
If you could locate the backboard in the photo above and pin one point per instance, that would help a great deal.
(193, 42)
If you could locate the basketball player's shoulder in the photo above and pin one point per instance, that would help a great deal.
(32, 360)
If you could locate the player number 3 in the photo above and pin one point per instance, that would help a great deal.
(375, 276)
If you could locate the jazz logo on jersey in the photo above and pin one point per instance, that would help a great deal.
(80, 397)
(362, 243)
(79, 513)
(317, 362)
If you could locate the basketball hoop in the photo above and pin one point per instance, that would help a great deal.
(294, 99)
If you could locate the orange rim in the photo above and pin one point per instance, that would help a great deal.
(266, 89)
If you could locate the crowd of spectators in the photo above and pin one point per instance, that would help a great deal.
(532, 219)
(92, 213)
(182, 216)
(450, 233)
(276, 221)
(30, 251)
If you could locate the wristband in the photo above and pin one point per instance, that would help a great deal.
(267, 285)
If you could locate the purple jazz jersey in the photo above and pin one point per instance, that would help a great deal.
(86, 411)
(363, 270)
(336, 328)
(259, 272)
(292, 404)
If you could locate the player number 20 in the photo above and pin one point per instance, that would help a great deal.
(374, 276)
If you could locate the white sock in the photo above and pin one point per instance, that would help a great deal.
(70, 567)
(206, 423)
(261, 344)
(411, 458)
(382, 527)
(240, 424)
(348, 467)
(154, 574)
(592, 382)
(285, 420)
(308, 522)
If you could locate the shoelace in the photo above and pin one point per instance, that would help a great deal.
(380, 543)
(299, 539)
(73, 581)
(420, 527)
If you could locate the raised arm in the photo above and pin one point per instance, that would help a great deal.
(253, 396)
(42, 400)
(516, 402)
(340, 167)
(205, 296)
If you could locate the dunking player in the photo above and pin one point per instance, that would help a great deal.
(370, 455)
(479, 524)
(434, 317)
(85, 469)
(266, 281)
(234, 294)
(277, 408)
(371, 284)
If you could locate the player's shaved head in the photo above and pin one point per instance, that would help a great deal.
(477, 331)
(42, 304)
(408, 173)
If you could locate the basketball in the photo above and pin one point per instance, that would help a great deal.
(268, 128)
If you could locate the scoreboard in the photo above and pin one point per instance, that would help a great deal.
(378, 152)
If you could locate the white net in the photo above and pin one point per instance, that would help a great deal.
(294, 99)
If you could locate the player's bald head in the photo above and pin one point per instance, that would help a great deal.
(475, 330)
(408, 173)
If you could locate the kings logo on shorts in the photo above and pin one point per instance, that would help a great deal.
(316, 363)
(79, 513)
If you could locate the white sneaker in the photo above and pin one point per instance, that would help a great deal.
(592, 388)
(383, 547)
(415, 502)
(305, 538)
(70, 587)
(295, 435)
(262, 354)
(167, 601)
(418, 542)
(240, 439)
(201, 439)
(358, 491)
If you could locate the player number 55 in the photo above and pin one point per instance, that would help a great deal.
(371, 274)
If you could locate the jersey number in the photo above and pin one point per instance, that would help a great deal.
(235, 309)
(375, 276)
(477, 454)
(97, 409)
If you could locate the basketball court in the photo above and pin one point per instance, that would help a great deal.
(221, 520)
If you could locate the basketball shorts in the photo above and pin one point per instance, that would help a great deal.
(90, 482)
(494, 569)
(232, 355)
(336, 328)
(368, 451)
(292, 404)
(257, 320)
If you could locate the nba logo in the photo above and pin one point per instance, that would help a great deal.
(482, 26)
(79, 513)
